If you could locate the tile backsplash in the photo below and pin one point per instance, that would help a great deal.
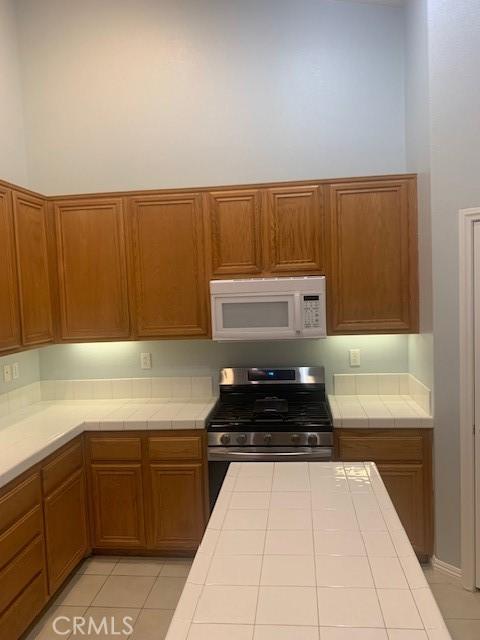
(383, 384)
(105, 389)
(19, 398)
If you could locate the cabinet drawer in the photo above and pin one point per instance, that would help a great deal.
(17, 502)
(16, 575)
(380, 448)
(175, 448)
(24, 609)
(113, 448)
(19, 535)
(62, 466)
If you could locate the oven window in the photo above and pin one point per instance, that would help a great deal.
(246, 315)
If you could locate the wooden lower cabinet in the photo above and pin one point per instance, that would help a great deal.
(66, 532)
(177, 506)
(136, 492)
(23, 584)
(147, 490)
(117, 505)
(404, 460)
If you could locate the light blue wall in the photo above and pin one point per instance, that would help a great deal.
(454, 54)
(141, 94)
(29, 363)
(204, 357)
(417, 136)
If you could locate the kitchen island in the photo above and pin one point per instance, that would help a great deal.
(306, 551)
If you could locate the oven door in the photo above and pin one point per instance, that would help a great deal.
(255, 317)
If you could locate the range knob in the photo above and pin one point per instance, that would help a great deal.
(267, 438)
(295, 438)
(225, 438)
(241, 438)
(312, 439)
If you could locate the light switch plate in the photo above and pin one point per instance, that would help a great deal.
(146, 360)
(354, 355)
(7, 373)
(16, 371)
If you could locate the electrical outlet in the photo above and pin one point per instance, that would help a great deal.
(16, 371)
(7, 373)
(146, 360)
(354, 355)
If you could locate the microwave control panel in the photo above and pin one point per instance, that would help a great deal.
(311, 312)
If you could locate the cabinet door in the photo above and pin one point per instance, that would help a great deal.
(404, 460)
(177, 506)
(405, 485)
(65, 528)
(234, 233)
(33, 269)
(92, 269)
(373, 240)
(9, 317)
(295, 230)
(171, 295)
(117, 506)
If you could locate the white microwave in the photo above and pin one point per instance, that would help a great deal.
(268, 308)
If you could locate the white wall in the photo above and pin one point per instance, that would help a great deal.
(204, 357)
(124, 95)
(29, 365)
(12, 141)
(417, 134)
(454, 51)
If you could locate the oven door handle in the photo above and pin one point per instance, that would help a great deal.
(226, 455)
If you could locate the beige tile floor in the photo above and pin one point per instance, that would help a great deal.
(460, 608)
(147, 590)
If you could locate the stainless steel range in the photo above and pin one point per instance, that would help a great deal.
(268, 414)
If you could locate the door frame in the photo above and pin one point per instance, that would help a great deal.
(467, 219)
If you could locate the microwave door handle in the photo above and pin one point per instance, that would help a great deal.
(297, 314)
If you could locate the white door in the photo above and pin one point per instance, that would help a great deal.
(476, 330)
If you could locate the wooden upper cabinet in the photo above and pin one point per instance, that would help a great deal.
(294, 230)
(373, 240)
(30, 215)
(10, 336)
(92, 269)
(169, 270)
(234, 233)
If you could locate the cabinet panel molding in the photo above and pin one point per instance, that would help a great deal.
(10, 335)
(373, 242)
(234, 232)
(92, 269)
(169, 265)
(117, 505)
(66, 530)
(31, 225)
(177, 506)
(295, 230)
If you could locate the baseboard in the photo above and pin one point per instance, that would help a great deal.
(448, 569)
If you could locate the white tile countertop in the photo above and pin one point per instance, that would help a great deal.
(380, 401)
(30, 434)
(371, 411)
(305, 551)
